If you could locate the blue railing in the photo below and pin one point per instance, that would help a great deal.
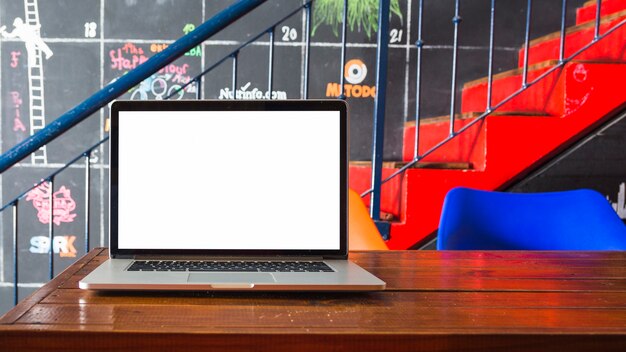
(126, 82)
(14, 203)
(130, 80)
(89, 106)
(233, 55)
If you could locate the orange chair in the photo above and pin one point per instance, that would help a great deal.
(362, 232)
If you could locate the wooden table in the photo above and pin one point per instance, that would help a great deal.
(439, 301)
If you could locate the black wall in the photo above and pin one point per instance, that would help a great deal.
(96, 41)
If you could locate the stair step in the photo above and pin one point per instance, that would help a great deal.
(587, 12)
(532, 101)
(424, 121)
(548, 46)
(541, 66)
(440, 119)
(461, 149)
(419, 165)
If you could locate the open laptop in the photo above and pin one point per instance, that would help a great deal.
(229, 195)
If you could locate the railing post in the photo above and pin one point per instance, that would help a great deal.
(87, 197)
(198, 88)
(563, 33)
(234, 74)
(596, 31)
(456, 20)
(529, 10)
(307, 50)
(15, 253)
(270, 75)
(51, 226)
(379, 115)
(492, 18)
(418, 79)
(342, 80)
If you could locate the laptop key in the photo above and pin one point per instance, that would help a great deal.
(226, 266)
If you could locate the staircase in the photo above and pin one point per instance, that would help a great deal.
(524, 132)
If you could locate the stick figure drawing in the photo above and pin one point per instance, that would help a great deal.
(30, 35)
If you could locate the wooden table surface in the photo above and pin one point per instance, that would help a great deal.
(436, 300)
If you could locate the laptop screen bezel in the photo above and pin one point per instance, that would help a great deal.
(229, 105)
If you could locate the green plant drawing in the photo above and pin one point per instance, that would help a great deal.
(362, 14)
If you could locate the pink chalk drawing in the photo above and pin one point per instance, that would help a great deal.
(64, 205)
(17, 122)
(15, 55)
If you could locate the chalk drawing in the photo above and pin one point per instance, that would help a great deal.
(17, 103)
(64, 205)
(29, 34)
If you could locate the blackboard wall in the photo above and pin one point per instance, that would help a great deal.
(95, 41)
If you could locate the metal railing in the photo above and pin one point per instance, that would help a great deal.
(91, 105)
(13, 204)
(110, 92)
(490, 107)
(233, 55)
(126, 82)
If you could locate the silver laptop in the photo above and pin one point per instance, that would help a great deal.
(229, 195)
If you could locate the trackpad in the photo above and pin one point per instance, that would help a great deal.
(231, 278)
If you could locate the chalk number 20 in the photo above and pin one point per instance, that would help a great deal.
(289, 34)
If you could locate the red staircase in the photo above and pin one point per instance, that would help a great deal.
(519, 136)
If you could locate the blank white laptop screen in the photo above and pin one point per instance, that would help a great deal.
(257, 180)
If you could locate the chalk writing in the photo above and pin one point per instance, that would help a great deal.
(90, 29)
(17, 103)
(64, 205)
(289, 34)
(253, 94)
(15, 58)
(122, 63)
(351, 90)
(63, 245)
(396, 36)
(189, 27)
(157, 47)
(197, 51)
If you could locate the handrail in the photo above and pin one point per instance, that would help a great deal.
(127, 81)
(491, 109)
(87, 153)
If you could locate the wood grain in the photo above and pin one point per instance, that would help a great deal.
(437, 301)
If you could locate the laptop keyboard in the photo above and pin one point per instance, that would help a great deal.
(229, 266)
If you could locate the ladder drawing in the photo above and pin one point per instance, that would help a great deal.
(35, 84)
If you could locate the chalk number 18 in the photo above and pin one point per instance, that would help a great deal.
(90, 29)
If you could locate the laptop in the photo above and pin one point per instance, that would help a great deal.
(229, 195)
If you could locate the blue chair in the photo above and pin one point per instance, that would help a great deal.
(571, 220)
